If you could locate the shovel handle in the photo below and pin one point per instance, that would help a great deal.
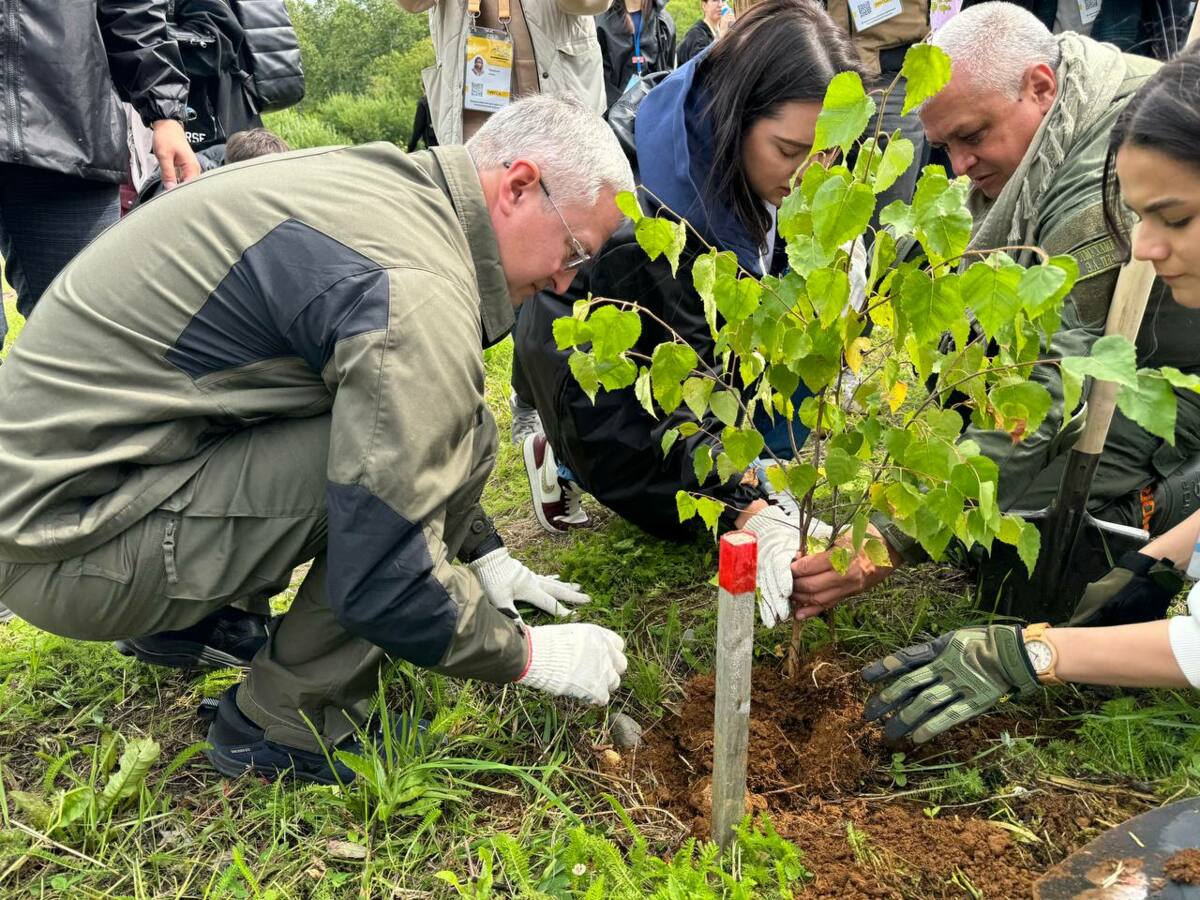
(1124, 318)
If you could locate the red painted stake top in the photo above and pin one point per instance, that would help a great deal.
(739, 562)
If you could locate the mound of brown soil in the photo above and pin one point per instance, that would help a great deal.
(1184, 866)
(810, 757)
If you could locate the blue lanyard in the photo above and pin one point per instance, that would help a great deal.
(637, 43)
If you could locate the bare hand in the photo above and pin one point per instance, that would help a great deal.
(176, 160)
(818, 586)
(723, 25)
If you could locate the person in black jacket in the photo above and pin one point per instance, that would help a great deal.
(63, 152)
(637, 37)
(707, 29)
(716, 144)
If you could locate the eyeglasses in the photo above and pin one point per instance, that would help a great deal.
(579, 253)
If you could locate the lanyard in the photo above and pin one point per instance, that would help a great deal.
(637, 42)
(505, 10)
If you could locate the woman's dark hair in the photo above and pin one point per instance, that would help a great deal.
(618, 6)
(1164, 115)
(779, 52)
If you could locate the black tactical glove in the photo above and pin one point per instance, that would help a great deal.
(1139, 589)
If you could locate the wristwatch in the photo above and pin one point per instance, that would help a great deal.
(1043, 655)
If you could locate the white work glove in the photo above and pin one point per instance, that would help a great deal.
(778, 537)
(580, 660)
(505, 581)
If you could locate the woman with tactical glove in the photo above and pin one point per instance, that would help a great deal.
(925, 689)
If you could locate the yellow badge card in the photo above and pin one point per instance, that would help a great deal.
(487, 86)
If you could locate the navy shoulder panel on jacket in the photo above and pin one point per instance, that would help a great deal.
(296, 292)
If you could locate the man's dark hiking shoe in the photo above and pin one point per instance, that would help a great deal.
(240, 746)
(228, 637)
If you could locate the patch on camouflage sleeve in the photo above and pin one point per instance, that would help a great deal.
(1096, 257)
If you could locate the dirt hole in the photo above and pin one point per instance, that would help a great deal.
(811, 758)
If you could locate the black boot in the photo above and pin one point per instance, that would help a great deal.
(228, 637)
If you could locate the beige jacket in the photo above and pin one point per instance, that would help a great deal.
(564, 43)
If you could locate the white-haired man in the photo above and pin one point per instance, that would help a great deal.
(301, 377)
(1026, 116)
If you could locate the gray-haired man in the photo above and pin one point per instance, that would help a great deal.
(300, 376)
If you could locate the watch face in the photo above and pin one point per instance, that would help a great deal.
(1040, 655)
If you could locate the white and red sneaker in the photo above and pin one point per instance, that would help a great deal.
(556, 501)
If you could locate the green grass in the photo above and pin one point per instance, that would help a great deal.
(506, 796)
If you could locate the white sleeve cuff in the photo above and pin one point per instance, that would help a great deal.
(1184, 632)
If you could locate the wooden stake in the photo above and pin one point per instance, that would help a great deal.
(735, 655)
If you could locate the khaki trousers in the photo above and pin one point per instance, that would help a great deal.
(231, 536)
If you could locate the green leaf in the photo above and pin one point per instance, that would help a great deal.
(903, 499)
(1023, 535)
(930, 306)
(801, 477)
(696, 392)
(1112, 358)
(724, 406)
(900, 217)
(944, 423)
(829, 293)
(841, 467)
(1072, 386)
(1039, 288)
(971, 476)
(614, 374)
(669, 365)
(726, 468)
(1150, 404)
(685, 505)
(896, 160)
(926, 71)
(661, 236)
(990, 290)
(1178, 379)
(1026, 402)
(737, 298)
(583, 367)
(710, 511)
(702, 463)
(841, 210)
(627, 202)
(777, 478)
(670, 436)
(570, 332)
(806, 253)
(743, 446)
(844, 114)
(942, 221)
(641, 390)
(137, 760)
(883, 254)
(613, 331)
(794, 218)
(931, 458)
(945, 502)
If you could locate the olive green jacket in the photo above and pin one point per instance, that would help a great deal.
(360, 282)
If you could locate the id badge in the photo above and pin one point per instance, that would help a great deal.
(1088, 10)
(487, 86)
(869, 13)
